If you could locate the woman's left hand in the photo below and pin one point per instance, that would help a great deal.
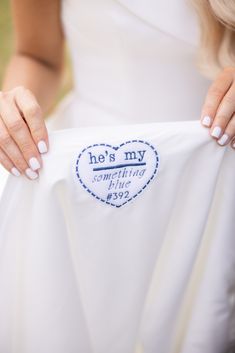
(218, 111)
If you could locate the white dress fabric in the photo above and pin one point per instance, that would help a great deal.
(125, 243)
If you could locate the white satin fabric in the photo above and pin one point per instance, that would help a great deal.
(134, 61)
(158, 273)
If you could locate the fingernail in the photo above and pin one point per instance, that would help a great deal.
(233, 145)
(15, 171)
(216, 131)
(34, 164)
(31, 174)
(42, 147)
(206, 120)
(223, 139)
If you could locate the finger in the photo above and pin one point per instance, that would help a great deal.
(11, 149)
(12, 154)
(224, 114)
(7, 164)
(233, 143)
(20, 133)
(229, 132)
(215, 94)
(29, 107)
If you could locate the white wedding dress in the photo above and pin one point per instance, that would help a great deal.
(126, 241)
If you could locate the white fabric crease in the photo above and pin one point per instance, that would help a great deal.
(157, 272)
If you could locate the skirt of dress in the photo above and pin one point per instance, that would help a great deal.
(125, 243)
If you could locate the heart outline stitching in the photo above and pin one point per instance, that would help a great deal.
(117, 148)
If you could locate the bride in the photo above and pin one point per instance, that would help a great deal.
(134, 62)
(38, 59)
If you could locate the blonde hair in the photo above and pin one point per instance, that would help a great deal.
(217, 35)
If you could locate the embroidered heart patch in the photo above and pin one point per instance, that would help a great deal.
(115, 175)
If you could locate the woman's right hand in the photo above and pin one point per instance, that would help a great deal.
(23, 132)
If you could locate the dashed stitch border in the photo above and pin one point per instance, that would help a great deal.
(116, 148)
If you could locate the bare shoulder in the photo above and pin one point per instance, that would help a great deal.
(38, 29)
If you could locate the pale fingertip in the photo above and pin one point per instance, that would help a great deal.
(34, 164)
(206, 120)
(42, 147)
(216, 131)
(31, 174)
(15, 172)
(223, 139)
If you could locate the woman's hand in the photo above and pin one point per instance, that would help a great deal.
(23, 133)
(218, 112)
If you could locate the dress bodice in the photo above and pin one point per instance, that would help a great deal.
(135, 59)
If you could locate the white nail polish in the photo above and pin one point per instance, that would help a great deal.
(34, 164)
(206, 120)
(223, 139)
(31, 174)
(216, 131)
(42, 147)
(15, 171)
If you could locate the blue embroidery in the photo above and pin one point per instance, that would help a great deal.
(118, 190)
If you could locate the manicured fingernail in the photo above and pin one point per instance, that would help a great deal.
(15, 171)
(233, 145)
(31, 174)
(206, 120)
(216, 131)
(42, 147)
(223, 139)
(34, 164)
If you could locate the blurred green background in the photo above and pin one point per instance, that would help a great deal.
(5, 35)
(6, 47)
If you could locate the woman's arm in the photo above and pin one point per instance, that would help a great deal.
(38, 59)
(30, 83)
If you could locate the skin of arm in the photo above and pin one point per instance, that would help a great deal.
(39, 49)
(31, 82)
